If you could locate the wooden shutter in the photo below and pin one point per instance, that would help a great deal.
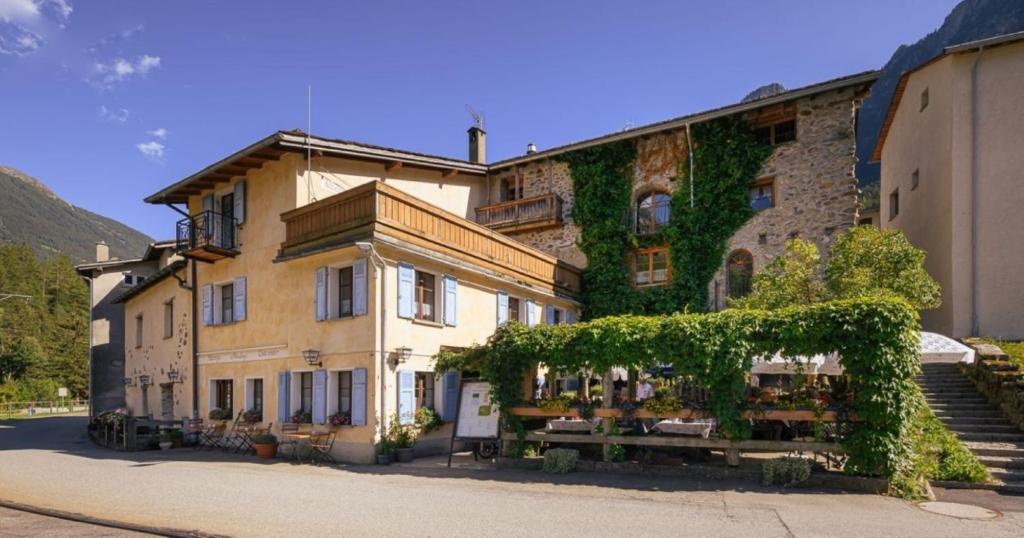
(531, 313)
(239, 200)
(360, 288)
(450, 401)
(570, 316)
(406, 291)
(502, 308)
(239, 298)
(320, 295)
(406, 396)
(359, 397)
(208, 304)
(284, 383)
(549, 314)
(208, 202)
(319, 396)
(451, 300)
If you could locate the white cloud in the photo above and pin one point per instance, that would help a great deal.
(17, 40)
(24, 23)
(117, 37)
(160, 133)
(118, 115)
(151, 149)
(60, 9)
(19, 10)
(106, 75)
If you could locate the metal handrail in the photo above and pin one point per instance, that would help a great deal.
(207, 229)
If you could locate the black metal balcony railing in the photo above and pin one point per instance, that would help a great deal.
(208, 236)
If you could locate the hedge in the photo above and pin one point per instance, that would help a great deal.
(876, 339)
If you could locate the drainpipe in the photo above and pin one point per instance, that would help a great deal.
(195, 326)
(379, 267)
(689, 159)
(975, 325)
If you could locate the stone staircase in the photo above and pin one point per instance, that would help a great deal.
(983, 429)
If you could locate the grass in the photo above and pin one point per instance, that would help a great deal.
(1014, 349)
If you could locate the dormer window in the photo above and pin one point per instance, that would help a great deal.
(652, 212)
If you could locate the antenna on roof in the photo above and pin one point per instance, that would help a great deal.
(478, 117)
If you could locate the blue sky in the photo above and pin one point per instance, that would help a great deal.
(108, 101)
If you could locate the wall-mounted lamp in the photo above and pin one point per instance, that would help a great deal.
(173, 375)
(312, 357)
(399, 356)
(144, 380)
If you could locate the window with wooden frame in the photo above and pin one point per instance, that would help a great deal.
(513, 309)
(739, 273)
(651, 267)
(169, 319)
(344, 292)
(424, 390)
(776, 133)
(762, 193)
(510, 189)
(653, 211)
(306, 392)
(425, 296)
(345, 392)
(257, 394)
(223, 394)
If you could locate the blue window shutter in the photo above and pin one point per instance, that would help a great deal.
(451, 300)
(283, 396)
(570, 316)
(320, 295)
(359, 397)
(359, 287)
(239, 298)
(208, 304)
(406, 396)
(319, 396)
(450, 381)
(239, 200)
(549, 314)
(502, 308)
(405, 290)
(531, 313)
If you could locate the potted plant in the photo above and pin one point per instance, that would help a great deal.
(177, 437)
(302, 417)
(384, 452)
(253, 416)
(427, 420)
(339, 419)
(266, 445)
(220, 414)
(166, 442)
(403, 437)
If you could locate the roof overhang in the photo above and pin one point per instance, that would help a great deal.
(278, 144)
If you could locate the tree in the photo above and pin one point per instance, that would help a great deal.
(863, 262)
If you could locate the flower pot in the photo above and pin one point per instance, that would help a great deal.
(166, 445)
(266, 451)
(405, 455)
(383, 459)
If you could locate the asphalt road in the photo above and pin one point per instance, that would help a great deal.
(50, 463)
(17, 524)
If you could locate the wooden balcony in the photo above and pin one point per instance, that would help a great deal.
(538, 212)
(378, 211)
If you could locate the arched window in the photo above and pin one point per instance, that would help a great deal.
(739, 273)
(652, 212)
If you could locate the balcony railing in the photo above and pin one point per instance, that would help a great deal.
(207, 236)
(522, 215)
(378, 211)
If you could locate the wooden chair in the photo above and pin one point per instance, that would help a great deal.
(288, 439)
(320, 445)
(230, 438)
(211, 435)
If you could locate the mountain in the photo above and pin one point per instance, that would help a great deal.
(31, 213)
(970, 20)
(767, 90)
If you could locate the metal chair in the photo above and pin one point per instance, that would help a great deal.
(211, 435)
(320, 445)
(288, 430)
(230, 438)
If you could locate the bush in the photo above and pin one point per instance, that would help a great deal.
(302, 417)
(220, 414)
(785, 471)
(427, 420)
(339, 419)
(560, 460)
(264, 439)
(400, 435)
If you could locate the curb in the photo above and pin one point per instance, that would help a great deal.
(80, 518)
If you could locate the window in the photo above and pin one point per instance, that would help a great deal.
(345, 292)
(257, 394)
(777, 133)
(513, 309)
(894, 204)
(169, 319)
(345, 392)
(424, 296)
(866, 221)
(915, 178)
(557, 316)
(762, 194)
(306, 392)
(762, 239)
(424, 389)
(653, 212)
(924, 100)
(509, 189)
(222, 398)
(739, 273)
(227, 227)
(651, 267)
(227, 303)
(138, 330)
(140, 279)
(132, 280)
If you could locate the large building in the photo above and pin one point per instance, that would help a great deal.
(950, 150)
(326, 274)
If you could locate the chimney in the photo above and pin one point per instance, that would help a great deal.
(531, 148)
(477, 145)
(102, 252)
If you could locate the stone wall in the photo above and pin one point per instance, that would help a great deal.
(998, 378)
(815, 186)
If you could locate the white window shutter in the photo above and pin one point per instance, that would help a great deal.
(360, 290)
(549, 314)
(502, 308)
(531, 313)
(406, 275)
(208, 202)
(239, 298)
(208, 304)
(570, 316)
(320, 295)
(451, 301)
(239, 200)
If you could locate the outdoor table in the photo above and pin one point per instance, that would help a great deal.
(700, 428)
(297, 438)
(570, 425)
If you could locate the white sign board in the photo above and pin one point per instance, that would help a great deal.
(478, 416)
(62, 392)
